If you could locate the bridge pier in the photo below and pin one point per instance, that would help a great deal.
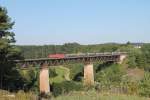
(88, 74)
(44, 79)
(121, 58)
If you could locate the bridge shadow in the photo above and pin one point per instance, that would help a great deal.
(78, 77)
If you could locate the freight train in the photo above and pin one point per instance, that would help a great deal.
(59, 55)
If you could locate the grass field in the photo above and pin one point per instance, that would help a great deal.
(5, 95)
(91, 95)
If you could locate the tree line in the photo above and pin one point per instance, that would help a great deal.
(34, 51)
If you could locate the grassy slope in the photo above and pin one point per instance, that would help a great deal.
(62, 74)
(5, 95)
(92, 95)
(134, 74)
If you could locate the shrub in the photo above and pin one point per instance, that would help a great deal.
(65, 87)
(52, 72)
(30, 79)
(144, 85)
(111, 74)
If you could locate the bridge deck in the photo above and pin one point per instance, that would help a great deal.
(90, 55)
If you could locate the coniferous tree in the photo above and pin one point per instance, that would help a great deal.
(8, 51)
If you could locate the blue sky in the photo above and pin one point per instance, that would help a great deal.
(83, 21)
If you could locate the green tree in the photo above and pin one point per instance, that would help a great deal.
(30, 79)
(146, 52)
(141, 61)
(111, 74)
(8, 51)
(128, 43)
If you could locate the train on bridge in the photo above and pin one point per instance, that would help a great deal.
(61, 55)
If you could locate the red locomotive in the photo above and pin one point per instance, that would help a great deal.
(56, 56)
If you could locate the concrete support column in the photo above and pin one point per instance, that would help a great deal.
(44, 80)
(88, 74)
(122, 57)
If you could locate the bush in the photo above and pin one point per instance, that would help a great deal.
(144, 85)
(30, 79)
(66, 87)
(52, 72)
(111, 74)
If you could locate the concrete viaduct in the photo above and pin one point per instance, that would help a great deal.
(86, 59)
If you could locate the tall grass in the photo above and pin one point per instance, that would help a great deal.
(4, 95)
(92, 95)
